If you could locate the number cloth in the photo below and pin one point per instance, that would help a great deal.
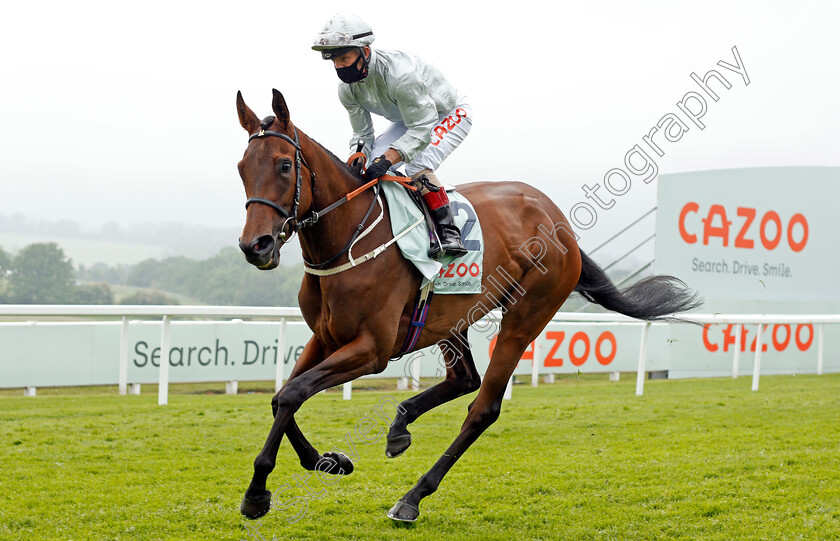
(451, 275)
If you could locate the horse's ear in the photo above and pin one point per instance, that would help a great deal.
(247, 118)
(281, 110)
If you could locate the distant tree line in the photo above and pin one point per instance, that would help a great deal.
(42, 274)
(190, 240)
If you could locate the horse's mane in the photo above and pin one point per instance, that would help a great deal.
(269, 120)
(337, 160)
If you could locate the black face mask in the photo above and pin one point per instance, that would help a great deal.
(352, 73)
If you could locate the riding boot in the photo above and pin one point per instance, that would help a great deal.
(448, 233)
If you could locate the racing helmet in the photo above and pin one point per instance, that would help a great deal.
(343, 33)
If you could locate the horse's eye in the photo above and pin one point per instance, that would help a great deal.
(285, 167)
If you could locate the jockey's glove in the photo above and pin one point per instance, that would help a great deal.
(378, 168)
(356, 166)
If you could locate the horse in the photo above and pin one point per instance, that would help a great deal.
(360, 313)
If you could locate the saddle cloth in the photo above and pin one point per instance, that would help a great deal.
(450, 275)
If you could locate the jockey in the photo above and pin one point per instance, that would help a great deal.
(430, 118)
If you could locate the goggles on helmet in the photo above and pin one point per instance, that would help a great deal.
(333, 38)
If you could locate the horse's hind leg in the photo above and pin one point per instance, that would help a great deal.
(461, 378)
(484, 412)
(520, 325)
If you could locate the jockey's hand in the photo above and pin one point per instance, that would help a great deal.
(378, 168)
(356, 166)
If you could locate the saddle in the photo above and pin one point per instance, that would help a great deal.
(407, 211)
(420, 183)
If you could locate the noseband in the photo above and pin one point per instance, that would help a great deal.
(291, 216)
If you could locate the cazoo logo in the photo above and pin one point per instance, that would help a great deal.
(743, 229)
(782, 336)
(579, 348)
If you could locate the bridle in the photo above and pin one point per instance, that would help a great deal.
(312, 218)
(291, 216)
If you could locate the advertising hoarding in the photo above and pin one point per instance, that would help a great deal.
(751, 241)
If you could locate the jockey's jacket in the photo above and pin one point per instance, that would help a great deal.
(402, 88)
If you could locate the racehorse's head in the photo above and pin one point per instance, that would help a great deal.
(271, 174)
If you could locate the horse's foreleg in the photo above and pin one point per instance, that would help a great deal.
(311, 459)
(355, 359)
(306, 452)
(312, 354)
(461, 378)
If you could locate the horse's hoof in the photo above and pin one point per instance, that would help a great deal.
(255, 508)
(403, 512)
(340, 464)
(398, 445)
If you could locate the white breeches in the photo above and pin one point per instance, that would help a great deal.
(450, 131)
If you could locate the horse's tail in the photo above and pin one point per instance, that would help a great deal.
(653, 298)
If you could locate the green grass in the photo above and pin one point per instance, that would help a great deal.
(578, 459)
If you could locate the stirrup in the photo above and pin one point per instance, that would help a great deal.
(456, 249)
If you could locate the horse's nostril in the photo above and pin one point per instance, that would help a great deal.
(261, 246)
(264, 244)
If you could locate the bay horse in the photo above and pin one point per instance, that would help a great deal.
(360, 317)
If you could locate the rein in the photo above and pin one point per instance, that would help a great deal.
(313, 216)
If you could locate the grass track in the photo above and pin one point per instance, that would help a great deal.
(579, 459)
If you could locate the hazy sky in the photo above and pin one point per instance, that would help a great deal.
(126, 112)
